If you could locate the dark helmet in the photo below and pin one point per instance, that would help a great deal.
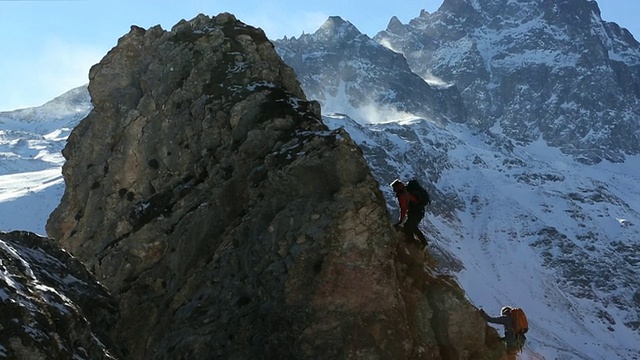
(505, 310)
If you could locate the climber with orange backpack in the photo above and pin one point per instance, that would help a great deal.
(515, 326)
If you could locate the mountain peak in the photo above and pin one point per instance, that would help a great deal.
(335, 26)
(396, 26)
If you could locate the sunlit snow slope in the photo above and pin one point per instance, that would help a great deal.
(528, 227)
(31, 141)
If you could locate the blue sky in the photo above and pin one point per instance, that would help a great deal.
(48, 46)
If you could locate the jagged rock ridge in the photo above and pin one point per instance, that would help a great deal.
(206, 194)
(550, 70)
(337, 63)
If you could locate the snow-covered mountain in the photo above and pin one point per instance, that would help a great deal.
(550, 70)
(520, 117)
(349, 72)
(31, 141)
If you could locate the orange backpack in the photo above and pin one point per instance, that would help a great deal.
(520, 323)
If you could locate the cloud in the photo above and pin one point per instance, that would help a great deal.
(42, 73)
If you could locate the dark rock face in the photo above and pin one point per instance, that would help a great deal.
(204, 191)
(52, 307)
(540, 69)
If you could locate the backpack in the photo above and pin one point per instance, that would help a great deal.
(520, 323)
(422, 196)
(520, 327)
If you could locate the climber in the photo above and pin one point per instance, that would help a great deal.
(412, 203)
(515, 326)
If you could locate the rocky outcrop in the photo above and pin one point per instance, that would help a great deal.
(206, 194)
(52, 307)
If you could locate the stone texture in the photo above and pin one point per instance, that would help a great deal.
(228, 222)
